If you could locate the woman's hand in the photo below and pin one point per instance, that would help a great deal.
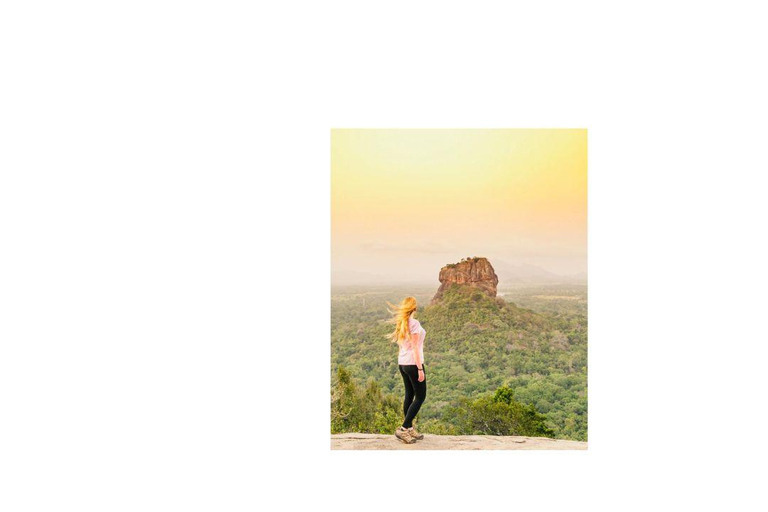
(421, 376)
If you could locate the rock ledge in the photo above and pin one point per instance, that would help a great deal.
(352, 441)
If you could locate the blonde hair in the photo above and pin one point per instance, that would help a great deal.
(400, 315)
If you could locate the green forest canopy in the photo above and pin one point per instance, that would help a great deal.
(475, 346)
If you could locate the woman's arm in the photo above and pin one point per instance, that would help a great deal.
(417, 355)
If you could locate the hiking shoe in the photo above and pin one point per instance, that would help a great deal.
(404, 435)
(415, 434)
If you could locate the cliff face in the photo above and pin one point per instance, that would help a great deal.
(475, 272)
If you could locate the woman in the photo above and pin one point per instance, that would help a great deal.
(409, 335)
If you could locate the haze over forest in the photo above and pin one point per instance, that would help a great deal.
(509, 275)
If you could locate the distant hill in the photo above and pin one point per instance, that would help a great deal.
(512, 274)
(354, 278)
(508, 274)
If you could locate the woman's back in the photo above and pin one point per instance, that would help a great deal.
(406, 355)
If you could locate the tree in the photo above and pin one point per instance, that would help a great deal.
(499, 415)
(362, 410)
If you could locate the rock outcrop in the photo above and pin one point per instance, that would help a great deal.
(475, 272)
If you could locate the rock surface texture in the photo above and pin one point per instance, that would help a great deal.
(434, 442)
(476, 272)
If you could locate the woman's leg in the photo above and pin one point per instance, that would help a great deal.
(409, 391)
(420, 392)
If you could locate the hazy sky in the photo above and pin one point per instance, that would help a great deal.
(406, 202)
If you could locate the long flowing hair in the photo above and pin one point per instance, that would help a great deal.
(401, 313)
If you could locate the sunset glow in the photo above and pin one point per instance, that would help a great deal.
(406, 202)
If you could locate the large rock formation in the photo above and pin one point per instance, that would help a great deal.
(476, 272)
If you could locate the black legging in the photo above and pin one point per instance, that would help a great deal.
(415, 392)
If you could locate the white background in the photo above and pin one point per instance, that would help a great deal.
(165, 231)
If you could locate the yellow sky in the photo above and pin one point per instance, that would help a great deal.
(406, 202)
